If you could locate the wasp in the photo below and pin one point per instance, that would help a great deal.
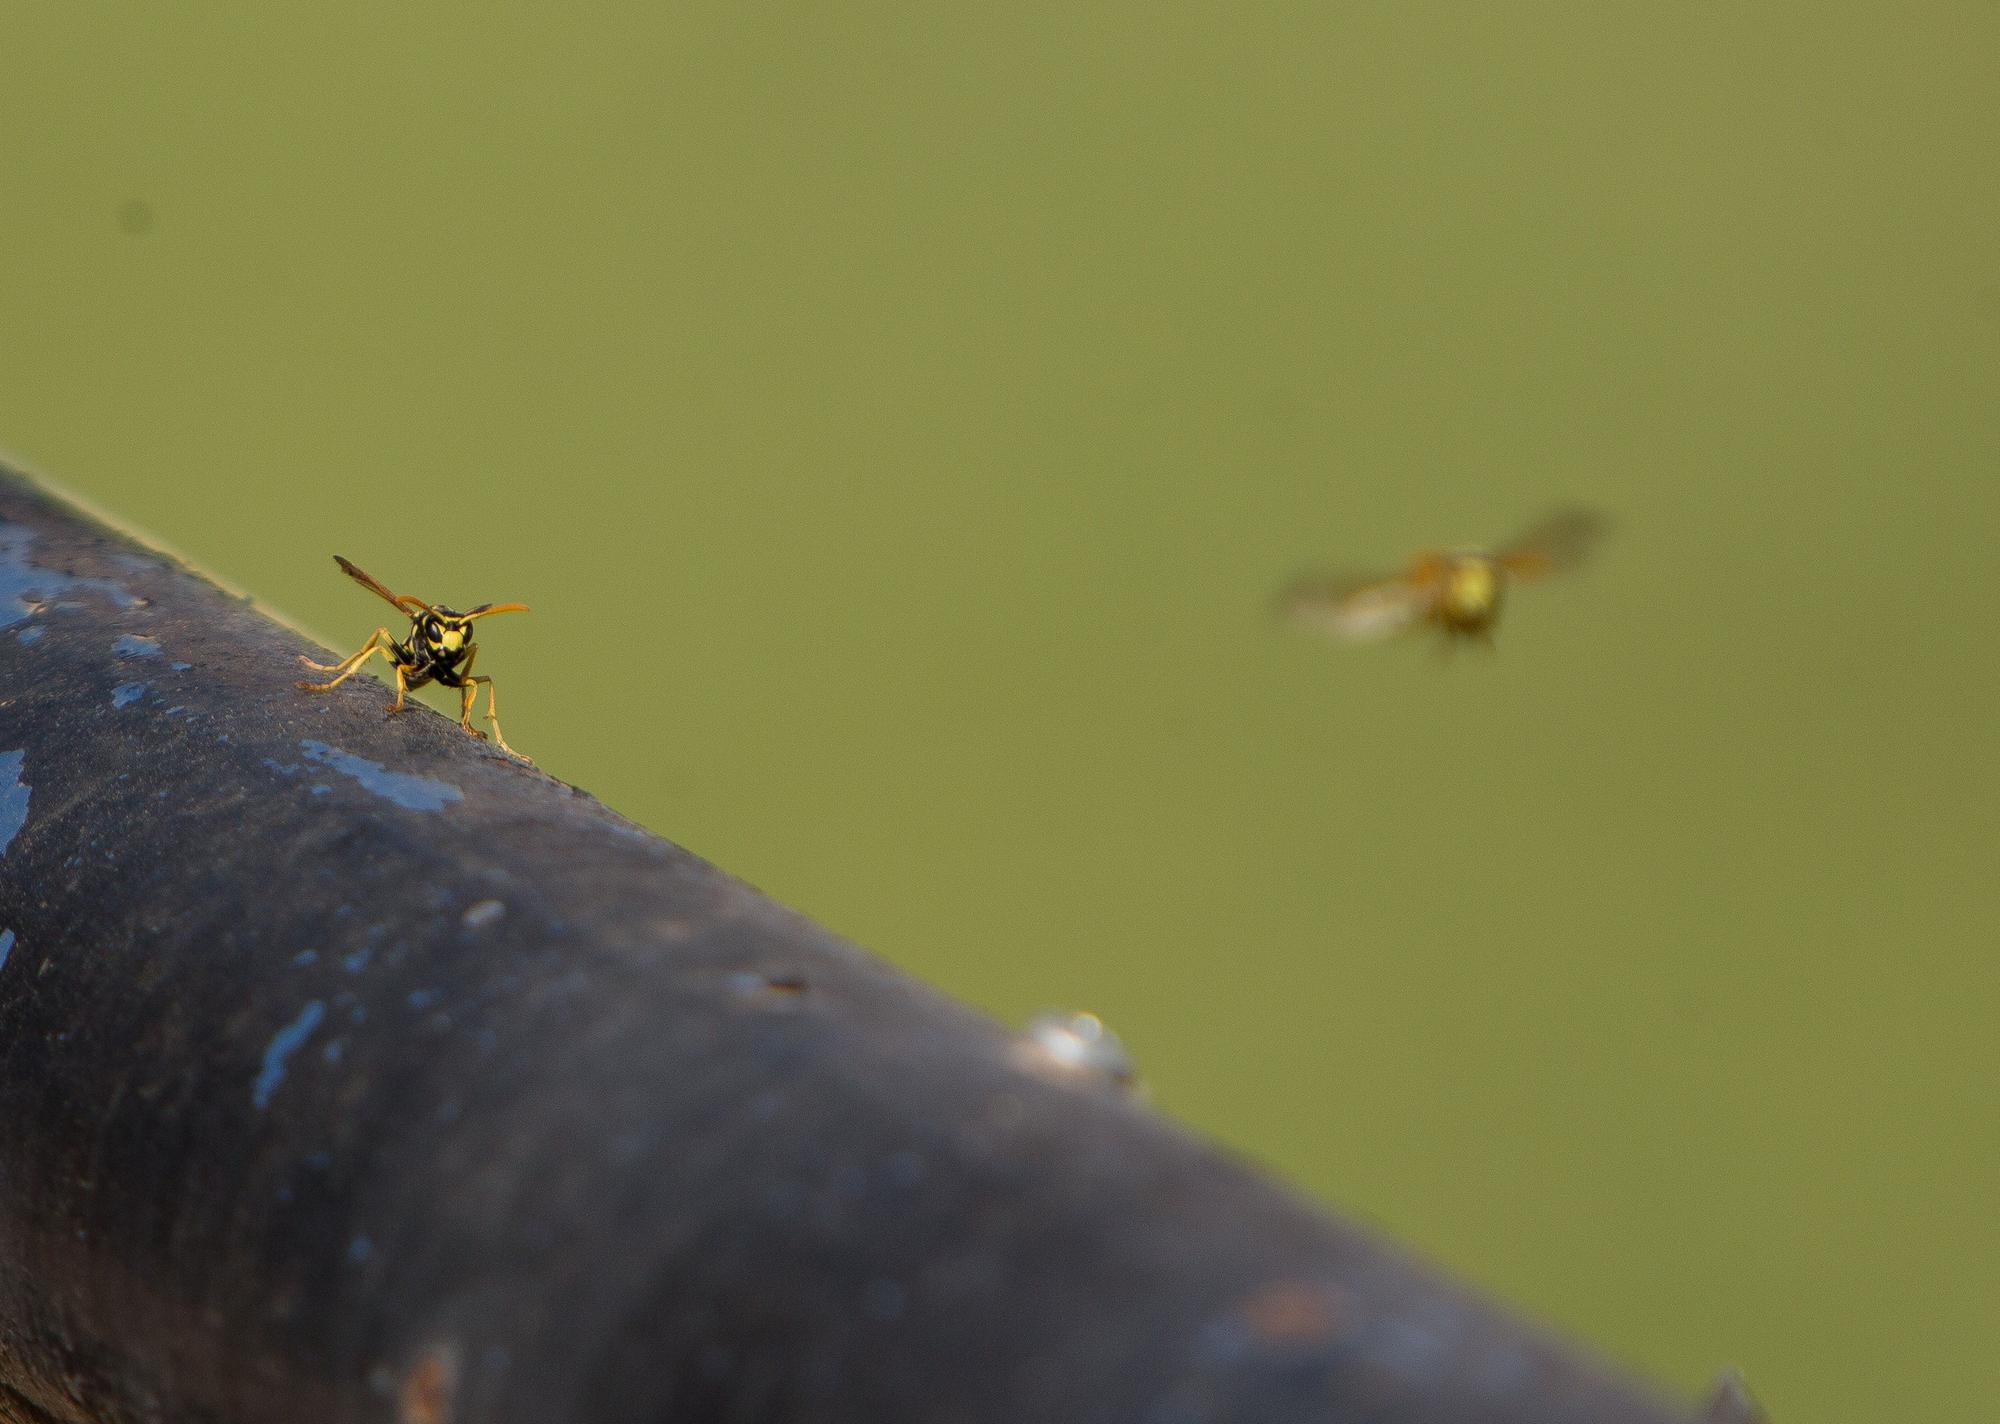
(1456, 591)
(438, 648)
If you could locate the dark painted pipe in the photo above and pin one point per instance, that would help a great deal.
(350, 1071)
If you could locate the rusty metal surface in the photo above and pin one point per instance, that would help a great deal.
(351, 1071)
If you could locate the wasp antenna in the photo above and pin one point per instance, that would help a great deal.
(484, 609)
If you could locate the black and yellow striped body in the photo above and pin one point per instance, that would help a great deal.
(439, 649)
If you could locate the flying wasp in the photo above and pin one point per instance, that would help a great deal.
(1456, 591)
(438, 648)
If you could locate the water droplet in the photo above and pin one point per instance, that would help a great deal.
(1075, 1045)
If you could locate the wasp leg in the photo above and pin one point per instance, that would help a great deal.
(467, 690)
(402, 688)
(378, 641)
(493, 716)
(465, 696)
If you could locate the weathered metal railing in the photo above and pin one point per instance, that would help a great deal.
(350, 1071)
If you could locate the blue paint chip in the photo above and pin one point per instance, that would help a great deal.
(356, 962)
(29, 634)
(360, 1249)
(126, 693)
(135, 645)
(320, 788)
(421, 998)
(305, 957)
(180, 667)
(13, 797)
(412, 793)
(6, 946)
(284, 1043)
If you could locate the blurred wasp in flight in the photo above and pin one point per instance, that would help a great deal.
(1456, 591)
(438, 648)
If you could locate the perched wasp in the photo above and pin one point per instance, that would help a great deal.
(1456, 591)
(439, 648)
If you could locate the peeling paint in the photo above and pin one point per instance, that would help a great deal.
(19, 579)
(180, 667)
(126, 693)
(13, 798)
(135, 645)
(29, 634)
(412, 793)
(284, 1043)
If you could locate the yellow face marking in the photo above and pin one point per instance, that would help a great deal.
(1472, 585)
(450, 639)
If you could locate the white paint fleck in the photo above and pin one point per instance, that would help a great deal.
(483, 913)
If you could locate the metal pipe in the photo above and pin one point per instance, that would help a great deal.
(351, 1071)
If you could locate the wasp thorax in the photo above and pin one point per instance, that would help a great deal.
(1471, 590)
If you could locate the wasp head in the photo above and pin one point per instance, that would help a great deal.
(443, 633)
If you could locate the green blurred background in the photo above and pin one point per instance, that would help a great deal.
(898, 418)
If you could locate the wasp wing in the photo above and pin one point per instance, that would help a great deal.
(404, 602)
(1357, 609)
(1555, 545)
